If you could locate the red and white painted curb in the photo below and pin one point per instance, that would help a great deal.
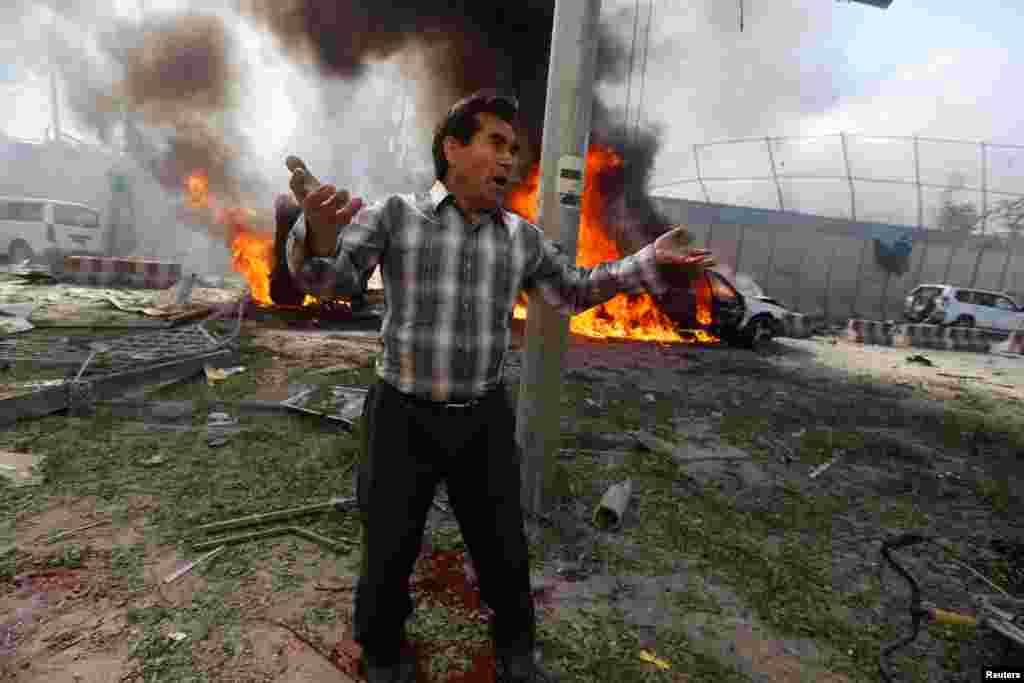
(104, 270)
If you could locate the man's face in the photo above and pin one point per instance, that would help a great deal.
(480, 172)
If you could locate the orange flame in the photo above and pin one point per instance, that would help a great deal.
(197, 190)
(252, 246)
(634, 316)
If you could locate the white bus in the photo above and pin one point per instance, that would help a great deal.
(47, 229)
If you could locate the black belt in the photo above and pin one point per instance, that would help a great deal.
(447, 406)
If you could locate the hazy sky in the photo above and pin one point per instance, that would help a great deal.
(803, 67)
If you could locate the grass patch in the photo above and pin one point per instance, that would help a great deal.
(71, 556)
(786, 586)
(126, 562)
(274, 463)
(820, 445)
(740, 430)
(320, 616)
(995, 492)
(957, 642)
(599, 644)
(161, 658)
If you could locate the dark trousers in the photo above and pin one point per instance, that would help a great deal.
(410, 448)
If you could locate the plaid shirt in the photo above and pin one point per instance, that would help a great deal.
(451, 287)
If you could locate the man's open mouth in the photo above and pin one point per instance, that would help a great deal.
(500, 181)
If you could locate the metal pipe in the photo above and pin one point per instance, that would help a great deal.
(264, 517)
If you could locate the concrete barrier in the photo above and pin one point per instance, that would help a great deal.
(101, 270)
(966, 339)
(869, 332)
(920, 336)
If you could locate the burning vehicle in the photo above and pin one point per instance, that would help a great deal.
(714, 305)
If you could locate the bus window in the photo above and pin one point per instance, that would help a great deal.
(21, 211)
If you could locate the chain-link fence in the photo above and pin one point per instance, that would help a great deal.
(799, 215)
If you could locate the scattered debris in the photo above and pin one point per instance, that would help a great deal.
(343, 405)
(337, 504)
(336, 545)
(71, 532)
(214, 375)
(177, 636)
(920, 360)
(612, 507)
(816, 472)
(193, 564)
(219, 429)
(655, 660)
(154, 460)
(787, 456)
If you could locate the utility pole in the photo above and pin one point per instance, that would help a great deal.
(566, 135)
(54, 99)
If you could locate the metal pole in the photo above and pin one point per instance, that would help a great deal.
(782, 207)
(853, 217)
(775, 174)
(632, 53)
(984, 214)
(984, 188)
(54, 99)
(563, 159)
(849, 178)
(643, 77)
(696, 161)
(920, 212)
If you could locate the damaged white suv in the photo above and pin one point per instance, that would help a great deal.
(963, 306)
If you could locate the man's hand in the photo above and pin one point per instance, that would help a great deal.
(672, 249)
(326, 209)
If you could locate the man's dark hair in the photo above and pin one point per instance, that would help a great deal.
(462, 123)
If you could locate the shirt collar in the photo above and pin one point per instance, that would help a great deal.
(440, 195)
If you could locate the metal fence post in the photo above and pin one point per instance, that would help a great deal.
(775, 174)
(984, 213)
(700, 179)
(920, 213)
(853, 218)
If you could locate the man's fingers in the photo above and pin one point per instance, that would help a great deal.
(346, 214)
(320, 198)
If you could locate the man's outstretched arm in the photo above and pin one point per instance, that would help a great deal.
(341, 273)
(573, 289)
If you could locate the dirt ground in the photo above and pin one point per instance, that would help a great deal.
(745, 569)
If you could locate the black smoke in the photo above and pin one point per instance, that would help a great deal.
(462, 46)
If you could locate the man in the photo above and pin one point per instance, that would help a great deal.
(452, 262)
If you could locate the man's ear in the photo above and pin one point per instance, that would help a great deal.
(451, 144)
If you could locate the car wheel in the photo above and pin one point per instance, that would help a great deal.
(759, 331)
(19, 252)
